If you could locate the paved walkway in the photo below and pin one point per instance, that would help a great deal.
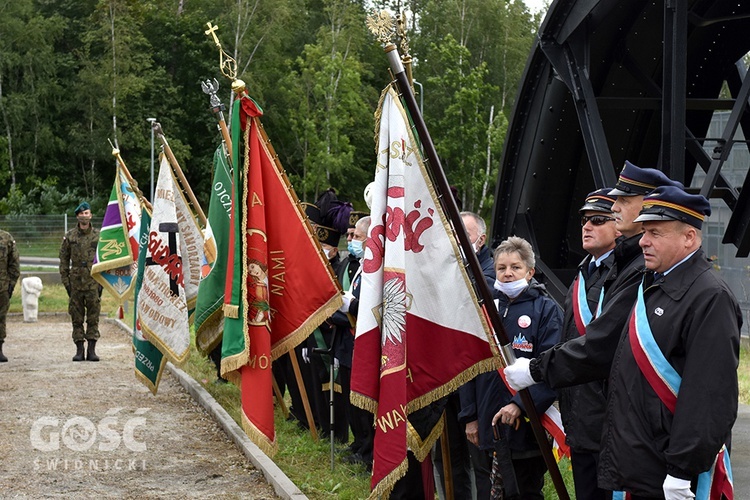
(92, 430)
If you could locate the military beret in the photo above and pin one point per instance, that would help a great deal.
(672, 203)
(634, 181)
(598, 201)
(83, 206)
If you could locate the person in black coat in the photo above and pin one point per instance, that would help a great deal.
(582, 406)
(534, 322)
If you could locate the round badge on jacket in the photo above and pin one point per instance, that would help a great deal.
(524, 321)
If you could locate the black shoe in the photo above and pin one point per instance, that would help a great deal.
(3, 359)
(221, 381)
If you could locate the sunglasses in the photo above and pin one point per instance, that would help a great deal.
(596, 220)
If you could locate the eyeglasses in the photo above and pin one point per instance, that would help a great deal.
(596, 220)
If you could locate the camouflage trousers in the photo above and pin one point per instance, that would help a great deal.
(85, 304)
(4, 303)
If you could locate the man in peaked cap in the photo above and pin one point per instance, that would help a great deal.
(673, 388)
(76, 258)
(588, 357)
(582, 406)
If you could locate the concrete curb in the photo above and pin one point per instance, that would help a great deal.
(282, 485)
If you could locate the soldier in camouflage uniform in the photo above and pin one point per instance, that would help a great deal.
(10, 270)
(76, 257)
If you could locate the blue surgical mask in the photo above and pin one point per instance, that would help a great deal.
(356, 248)
(512, 289)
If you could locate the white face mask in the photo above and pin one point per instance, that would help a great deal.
(330, 253)
(512, 289)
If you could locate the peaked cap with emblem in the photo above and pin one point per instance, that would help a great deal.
(672, 203)
(598, 201)
(636, 181)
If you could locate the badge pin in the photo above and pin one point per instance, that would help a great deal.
(524, 321)
(658, 311)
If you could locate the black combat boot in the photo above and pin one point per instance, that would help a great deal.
(3, 359)
(90, 352)
(79, 351)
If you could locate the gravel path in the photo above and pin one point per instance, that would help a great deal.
(92, 430)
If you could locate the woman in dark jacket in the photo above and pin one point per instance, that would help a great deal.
(534, 323)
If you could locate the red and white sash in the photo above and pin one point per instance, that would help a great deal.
(664, 379)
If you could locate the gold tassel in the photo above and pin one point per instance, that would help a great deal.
(231, 311)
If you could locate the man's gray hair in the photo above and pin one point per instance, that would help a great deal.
(481, 225)
(364, 224)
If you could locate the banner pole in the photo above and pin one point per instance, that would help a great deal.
(180, 175)
(475, 270)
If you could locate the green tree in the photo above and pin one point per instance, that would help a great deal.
(325, 83)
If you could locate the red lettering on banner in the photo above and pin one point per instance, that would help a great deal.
(162, 256)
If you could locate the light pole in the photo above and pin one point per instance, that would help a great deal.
(151, 122)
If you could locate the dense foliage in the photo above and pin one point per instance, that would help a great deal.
(75, 73)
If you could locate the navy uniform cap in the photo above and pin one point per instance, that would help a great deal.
(672, 203)
(598, 201)
(636, 181)
(83, 206)
(327, 235)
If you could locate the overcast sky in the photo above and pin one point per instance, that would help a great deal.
(537, 5)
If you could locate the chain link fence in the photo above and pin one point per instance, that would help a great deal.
(40, 235)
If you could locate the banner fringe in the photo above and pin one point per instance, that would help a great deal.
(364, 402)
(385, 485)
(231, 311)
(422, 448)
(315, 320)
(486, 365)
(261, 440)
(208, 336)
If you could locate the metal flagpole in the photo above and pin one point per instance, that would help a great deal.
(449, 203)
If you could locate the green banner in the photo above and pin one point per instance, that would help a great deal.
(209, 315)
(149, 362)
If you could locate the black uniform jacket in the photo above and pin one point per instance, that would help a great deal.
(588, 358)
(582, 406)
(696, 323)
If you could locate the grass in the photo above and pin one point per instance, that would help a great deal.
(305, 462)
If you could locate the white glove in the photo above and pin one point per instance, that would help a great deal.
(335, 363)
(305, 357)
(518, 374)
(676, 488)
(348, 296)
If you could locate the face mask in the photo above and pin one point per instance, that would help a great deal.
(356, 248)
(512, 289)
(84, 219)
(330, 253)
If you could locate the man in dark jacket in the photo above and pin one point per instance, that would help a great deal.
(582, 406)
(589, 357)
(673, 389)
(476, 229)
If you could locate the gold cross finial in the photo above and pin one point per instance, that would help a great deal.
(211, 31)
